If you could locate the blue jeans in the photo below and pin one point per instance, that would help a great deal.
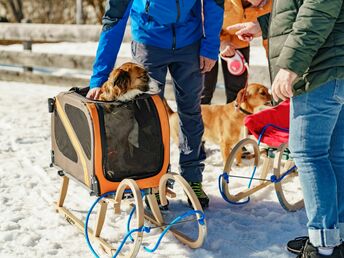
(317, 146)
(183, 65)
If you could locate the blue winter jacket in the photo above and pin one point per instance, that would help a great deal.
(162, 23)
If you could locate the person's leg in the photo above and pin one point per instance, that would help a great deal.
(337, 155)
(313, 118)
(210, 80)
(155, 60)
(233, 83)
(187, 80)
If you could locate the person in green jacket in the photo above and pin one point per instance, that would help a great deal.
(306, 62)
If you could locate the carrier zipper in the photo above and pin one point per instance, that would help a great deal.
(147, 7)
(173, 37)
(178, 10)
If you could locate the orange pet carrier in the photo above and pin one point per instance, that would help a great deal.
(110, 147)
(101, 144)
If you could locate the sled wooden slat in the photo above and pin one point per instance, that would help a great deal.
(72, 219)
(279, 169)
(170, 193)
(248, 192)
(100, 218)
(179, 235)
(63, 191)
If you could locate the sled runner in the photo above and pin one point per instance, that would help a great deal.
(270, 163)
(117, 148)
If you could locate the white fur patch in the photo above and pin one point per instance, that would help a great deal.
(129, 95)
(153, 89)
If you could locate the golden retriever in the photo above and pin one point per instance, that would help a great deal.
(126, 82)
(223, 123)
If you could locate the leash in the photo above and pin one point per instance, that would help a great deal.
(237, 103)
(178, 220)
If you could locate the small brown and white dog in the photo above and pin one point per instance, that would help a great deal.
(223, 123)
(126, 82)
(121, 127)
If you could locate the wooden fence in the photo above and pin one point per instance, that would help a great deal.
(48, 33)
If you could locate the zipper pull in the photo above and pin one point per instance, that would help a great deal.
(147, 6)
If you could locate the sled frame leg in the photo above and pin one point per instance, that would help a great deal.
(157, 219)
(73, 220)
(278, 170)
(229, 163)
(94, 235)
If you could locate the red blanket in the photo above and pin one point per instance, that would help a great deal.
(272, 117)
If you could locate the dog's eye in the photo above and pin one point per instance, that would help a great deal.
(263, 93)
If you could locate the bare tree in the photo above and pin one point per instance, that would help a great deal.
(15, 9)
(98, 6)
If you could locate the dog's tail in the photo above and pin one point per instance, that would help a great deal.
(168, 108)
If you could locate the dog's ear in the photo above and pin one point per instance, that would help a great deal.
(122, 80)
(109, 92)
(241, 97)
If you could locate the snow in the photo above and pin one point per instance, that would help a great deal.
(30, 226)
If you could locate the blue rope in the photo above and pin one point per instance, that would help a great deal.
(266, 127)
(274, 179)
(252, 176)
(87, 219)
(131, 215)
(140, 229)
(186, 214)
(226, 177)
(258, 142)
(128, 233)
(128, 223)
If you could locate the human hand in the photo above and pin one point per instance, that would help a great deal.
(257, 3)
(93, 93)
(246, 31)
(228, 51)
(206, 64)
(282, 85)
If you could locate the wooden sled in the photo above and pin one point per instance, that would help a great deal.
(269, 126)
(98, 145)
(141, 215)
(276, 163)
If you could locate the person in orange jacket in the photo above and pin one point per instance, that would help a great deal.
(236, 11)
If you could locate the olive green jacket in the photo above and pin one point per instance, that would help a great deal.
(306, 37)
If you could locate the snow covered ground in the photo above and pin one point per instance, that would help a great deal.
(30, 227)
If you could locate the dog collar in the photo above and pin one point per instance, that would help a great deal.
(245, 111)
(241, 109)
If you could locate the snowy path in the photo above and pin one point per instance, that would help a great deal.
(30, 227)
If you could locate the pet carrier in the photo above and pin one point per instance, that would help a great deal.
(114, 147)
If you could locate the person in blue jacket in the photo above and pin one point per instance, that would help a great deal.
(181, 37)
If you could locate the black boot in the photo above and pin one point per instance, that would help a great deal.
(296, 245)
(309, 251)
(161, 207)
(200, 194)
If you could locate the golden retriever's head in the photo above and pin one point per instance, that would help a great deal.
(125, 82)
(255, 95)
